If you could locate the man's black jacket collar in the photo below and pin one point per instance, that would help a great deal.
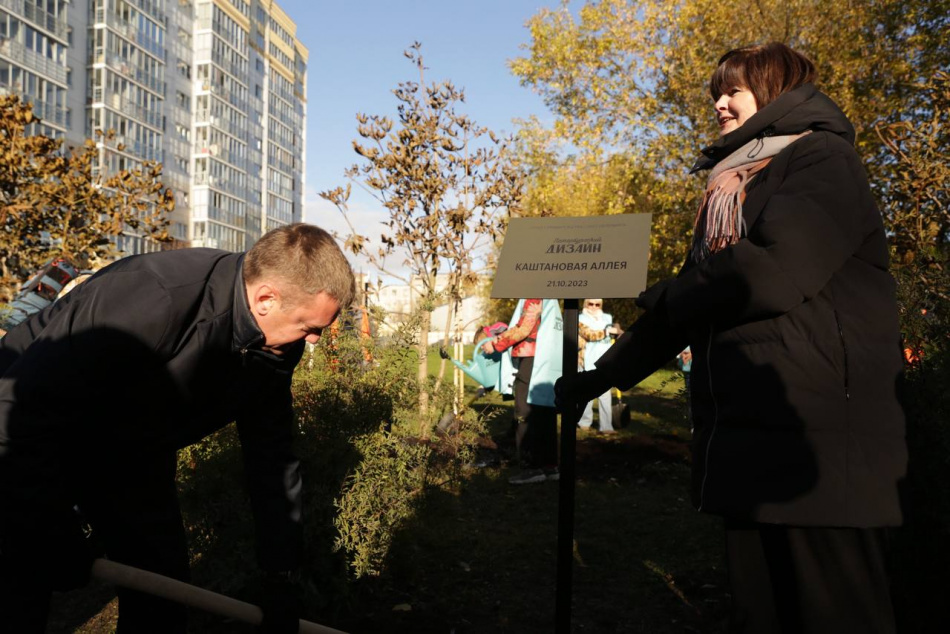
(247, 334)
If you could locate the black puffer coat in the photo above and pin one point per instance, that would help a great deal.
(794, 334)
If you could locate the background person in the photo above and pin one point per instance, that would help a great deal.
(151, 354)
(595, 329)
(788, 307)
(535, 344)
(684, 361)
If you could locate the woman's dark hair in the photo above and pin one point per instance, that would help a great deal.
(767, 70)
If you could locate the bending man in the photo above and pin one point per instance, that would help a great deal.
(153, 353)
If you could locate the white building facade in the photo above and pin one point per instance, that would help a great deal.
(399, 301)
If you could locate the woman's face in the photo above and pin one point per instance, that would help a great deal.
(733, 108)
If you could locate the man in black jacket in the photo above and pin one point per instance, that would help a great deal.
(154, 353)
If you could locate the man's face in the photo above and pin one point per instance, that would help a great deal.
(305, 318)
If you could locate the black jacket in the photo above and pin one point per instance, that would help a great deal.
(151, 354)
(794, 334)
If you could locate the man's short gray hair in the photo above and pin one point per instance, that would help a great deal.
(305, 256)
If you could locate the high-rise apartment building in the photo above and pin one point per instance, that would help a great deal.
(212, 89)
(34, 43)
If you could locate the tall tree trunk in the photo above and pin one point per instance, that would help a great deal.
(427, 293)
(423, 372)
(457, 376)
(446, 337)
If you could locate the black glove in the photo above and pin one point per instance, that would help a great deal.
(281, 604)
(443, 353)
(573, 392)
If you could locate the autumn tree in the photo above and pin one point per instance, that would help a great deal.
(54, 202)
(445, 183)
(629, 77)
(917, 197)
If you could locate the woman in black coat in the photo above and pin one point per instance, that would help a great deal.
(789, 309)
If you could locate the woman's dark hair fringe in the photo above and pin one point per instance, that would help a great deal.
(767, 70)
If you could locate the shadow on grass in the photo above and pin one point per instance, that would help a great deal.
(482, 557)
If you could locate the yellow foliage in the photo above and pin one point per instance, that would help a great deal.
(627, 82)
(53, 203)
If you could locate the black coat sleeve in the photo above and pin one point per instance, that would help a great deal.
(273, 472)
(807, 230)
(640, 351)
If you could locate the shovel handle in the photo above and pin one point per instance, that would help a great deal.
(187, 594)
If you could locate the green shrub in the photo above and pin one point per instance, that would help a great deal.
(365, 470)
(216, 513)
(395, 467)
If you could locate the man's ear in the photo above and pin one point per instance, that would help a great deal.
(263, 298)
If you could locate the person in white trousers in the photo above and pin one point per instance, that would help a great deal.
(595, 328)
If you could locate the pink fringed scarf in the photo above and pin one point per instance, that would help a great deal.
(719, 222)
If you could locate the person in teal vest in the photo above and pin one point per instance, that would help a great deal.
(684, 360)
(530, 366)
(595, 329)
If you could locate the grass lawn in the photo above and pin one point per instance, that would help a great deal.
(482, 556)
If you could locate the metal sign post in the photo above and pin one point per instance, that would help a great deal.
(565, 507)
(571, 259)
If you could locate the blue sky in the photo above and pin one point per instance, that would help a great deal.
(356, 60)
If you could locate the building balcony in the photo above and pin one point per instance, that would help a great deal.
(286, 95)
(277, 164)
(283, 192)
(204, 116)
(126, 107)
(124, 67)
(19, 54)
(237, 68)
(223, 155)
(38, 17)
(151, 8)
(129, 31)
(203, 179)
(52, 114)
(136, 149)
(48, 113)
(228, 96)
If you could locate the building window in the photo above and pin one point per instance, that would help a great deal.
(182, 101)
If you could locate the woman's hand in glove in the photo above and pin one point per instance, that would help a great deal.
(573, 391)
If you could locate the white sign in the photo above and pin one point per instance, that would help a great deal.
(574, 258)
